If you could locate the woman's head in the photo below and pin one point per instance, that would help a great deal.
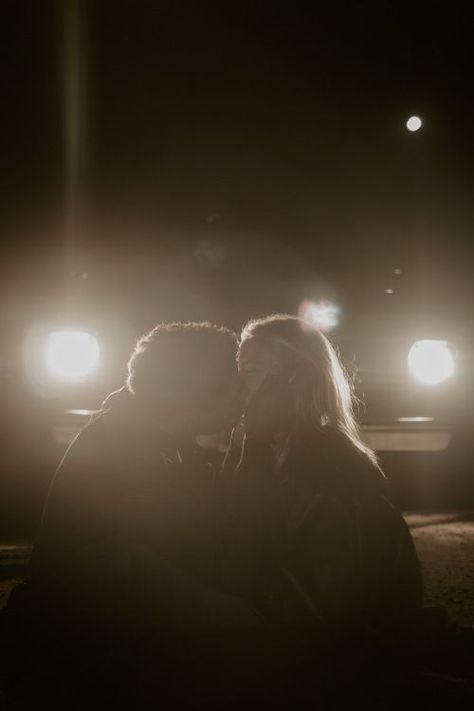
(313, 389)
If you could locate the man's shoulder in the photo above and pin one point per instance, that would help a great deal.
(97, 435)
(107, 446)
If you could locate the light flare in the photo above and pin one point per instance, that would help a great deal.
(323, 315)
(431, 362)
(71, 355)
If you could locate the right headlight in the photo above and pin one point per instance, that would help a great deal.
(431, 362)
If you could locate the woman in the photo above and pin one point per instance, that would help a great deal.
(309, 531)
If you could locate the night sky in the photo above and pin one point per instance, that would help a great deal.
(225, 134)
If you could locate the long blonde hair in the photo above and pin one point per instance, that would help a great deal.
(324, 393)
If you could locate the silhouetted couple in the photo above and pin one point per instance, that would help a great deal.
(158, 572)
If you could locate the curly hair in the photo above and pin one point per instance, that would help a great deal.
(182, 366)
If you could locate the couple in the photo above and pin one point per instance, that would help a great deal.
(157, 562)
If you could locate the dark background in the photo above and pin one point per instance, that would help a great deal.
(259, 141)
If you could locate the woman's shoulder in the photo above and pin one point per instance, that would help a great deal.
(334, 465)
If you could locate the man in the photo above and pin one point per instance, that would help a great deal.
(134, 471)
(125, 568)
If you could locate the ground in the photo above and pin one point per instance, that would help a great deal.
(444, 541)
(445, 545)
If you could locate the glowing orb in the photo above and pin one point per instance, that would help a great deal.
(414, 123)
(431, 362)
(323, 314)
(71, 355)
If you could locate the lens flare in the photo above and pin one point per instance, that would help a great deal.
(71, 355)
(323, 314)
(431, 362)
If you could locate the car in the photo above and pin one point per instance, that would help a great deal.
(406, 343)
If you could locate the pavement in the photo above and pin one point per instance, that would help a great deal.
(445, 545)
(444, 541)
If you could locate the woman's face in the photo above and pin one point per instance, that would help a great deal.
(256, 360)
(270, 397)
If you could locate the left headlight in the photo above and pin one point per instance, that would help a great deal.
(71, 355)
(431, 361)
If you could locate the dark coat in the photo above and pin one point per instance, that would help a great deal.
(123, 479)
(122, 589)
(316, 541)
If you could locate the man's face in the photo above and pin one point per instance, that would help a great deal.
(227, 411)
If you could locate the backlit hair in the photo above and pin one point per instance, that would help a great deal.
(183, 366)
(324, 394)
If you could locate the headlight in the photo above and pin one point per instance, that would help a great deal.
(431, 362)
(71, 355)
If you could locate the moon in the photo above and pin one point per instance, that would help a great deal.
(414, 123)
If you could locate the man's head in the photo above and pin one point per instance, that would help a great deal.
(186, 374)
